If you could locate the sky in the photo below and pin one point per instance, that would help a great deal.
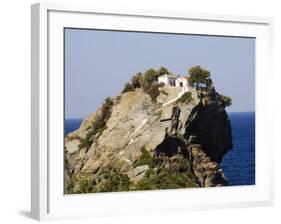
(98, 63)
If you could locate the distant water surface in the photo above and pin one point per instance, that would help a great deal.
(239, 163)
(71, 125)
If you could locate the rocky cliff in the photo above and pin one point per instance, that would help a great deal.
(125, 146)
(208, 121)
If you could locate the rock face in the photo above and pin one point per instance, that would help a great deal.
(128, 148)
(211, 126)
(208, 172)
(138, 173)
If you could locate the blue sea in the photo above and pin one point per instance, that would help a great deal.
(71, 125)
(239, 163)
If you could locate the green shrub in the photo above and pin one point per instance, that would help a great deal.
(108, 179)
(69, 182)
(198, 75)
(99, 125)
(153, 92)
(144, 159)
(118, 97)
(137, 80)
(162, 70)
(128, 87)
(112, 180)
(186, 97)
(87, 141)
(226, 100)
(150, 78)
(165, 172)
(148, 82)
(165, 180)
(69, 185)
(106, 108)
(85, 185)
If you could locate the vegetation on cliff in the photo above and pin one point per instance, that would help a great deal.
(144, 159)
(164, 173)
(107, 179)
(226, 100)
(99, 125)
(147, 82)
(186, 98)
(168, 173)
(198, 75)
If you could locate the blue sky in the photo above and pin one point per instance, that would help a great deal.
(98, 63)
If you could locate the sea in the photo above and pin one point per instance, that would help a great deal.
(239, 163)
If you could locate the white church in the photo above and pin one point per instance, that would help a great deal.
(172, 80)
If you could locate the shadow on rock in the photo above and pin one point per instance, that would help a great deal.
(172, 146)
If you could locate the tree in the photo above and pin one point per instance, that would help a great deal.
(226, 100)
(162, 70)
(106, 108)
(151, 74)
(150, 77)
(154, 92)
(137, 80)
(198, 75)
(128, 87)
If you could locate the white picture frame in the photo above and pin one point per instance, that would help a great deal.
(48, 201)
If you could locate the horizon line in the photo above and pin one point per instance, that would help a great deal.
(226, 111)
